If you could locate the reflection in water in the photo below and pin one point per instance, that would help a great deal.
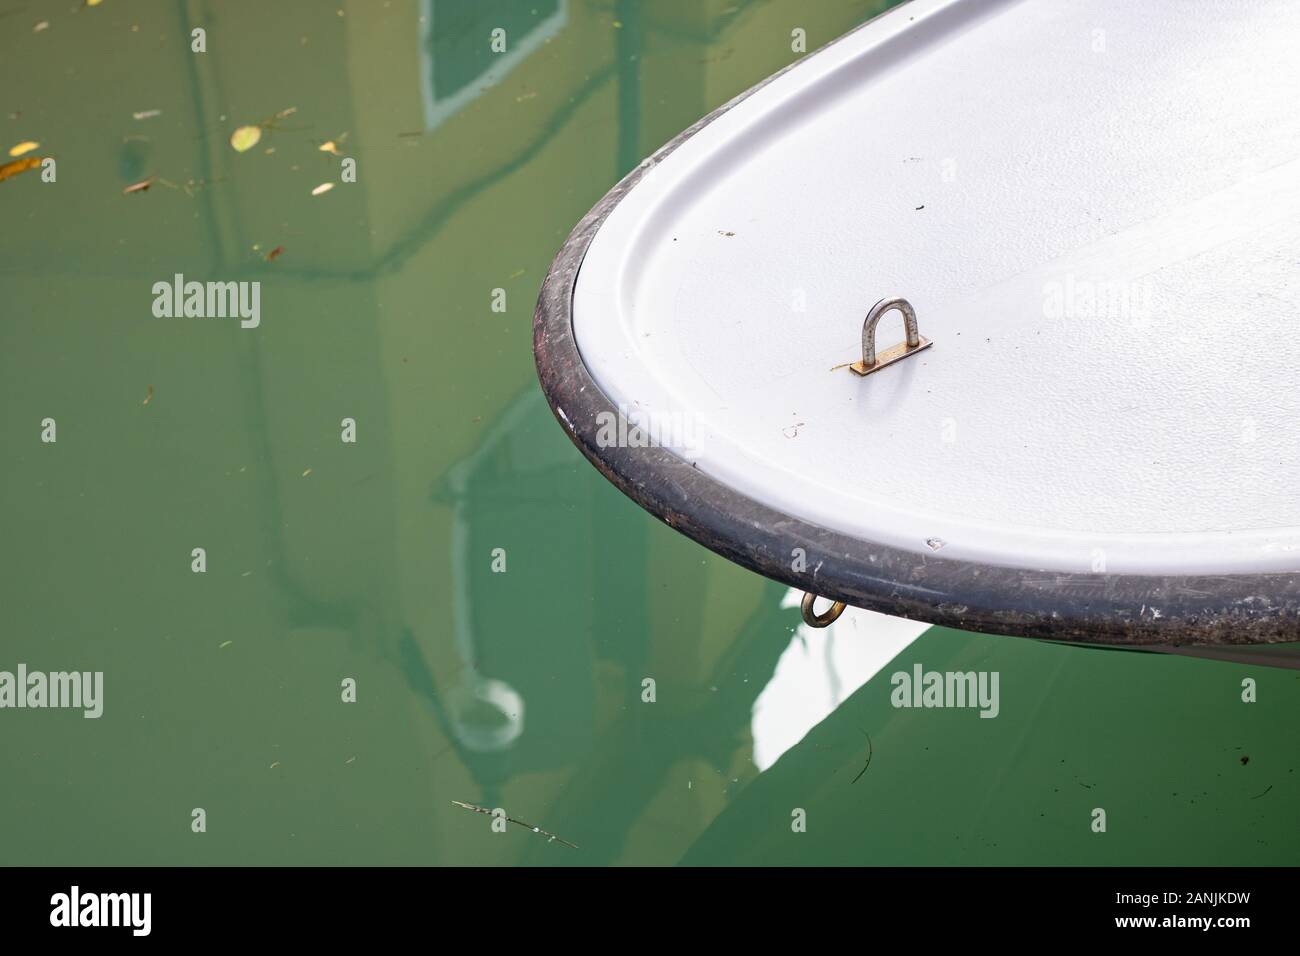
(534, 638)
(819, 670)
(516, 543)
(520, 689)
(456, 62)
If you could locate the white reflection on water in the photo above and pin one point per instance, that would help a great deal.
(819, 669)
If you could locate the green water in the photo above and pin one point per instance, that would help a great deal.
(373, 561)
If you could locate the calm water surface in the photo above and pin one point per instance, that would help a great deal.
(374, 561)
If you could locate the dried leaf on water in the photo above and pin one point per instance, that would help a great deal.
(149, 397)
(146, 114)
(142, 186)
(322, 188)
(274, 253)
(16, 166)
(330, 148)
(24, 147)
(245, 138)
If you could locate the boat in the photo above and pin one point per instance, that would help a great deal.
(981, 315)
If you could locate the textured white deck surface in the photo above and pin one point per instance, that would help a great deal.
(1108, 262)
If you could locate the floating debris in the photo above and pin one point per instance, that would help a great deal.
(721, 233)
(24, 147)
(322, 188)
(16, 166)
(43, 25)
(140, 187)
(224, 644)
(870, 752)
(274, 253)
(552, 838)
(245, 138)
(330, 147)
(306, 473)
(935, 543)
(146, 114)
(148, 397)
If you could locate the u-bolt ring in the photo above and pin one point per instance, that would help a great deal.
(813, 619)
(913, 343)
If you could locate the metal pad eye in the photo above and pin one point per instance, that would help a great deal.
(914, 342)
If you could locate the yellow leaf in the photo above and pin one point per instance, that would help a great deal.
(26, 147)
(322, 188)
(245, 138)
(329, 148)
(93, 3)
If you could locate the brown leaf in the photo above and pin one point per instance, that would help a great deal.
(274, 254)
(142, 186)
(16, 166)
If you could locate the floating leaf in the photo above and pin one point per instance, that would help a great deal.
(146, 114)
(16, 166)
(149, 397)
(142, 186)
(322, 188)
(245, 138)
(274, 254)
(24, 147)
(93, 3)
(43, 25)
(330, 148)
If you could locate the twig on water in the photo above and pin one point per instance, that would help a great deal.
(870, 751)
(552, 838)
